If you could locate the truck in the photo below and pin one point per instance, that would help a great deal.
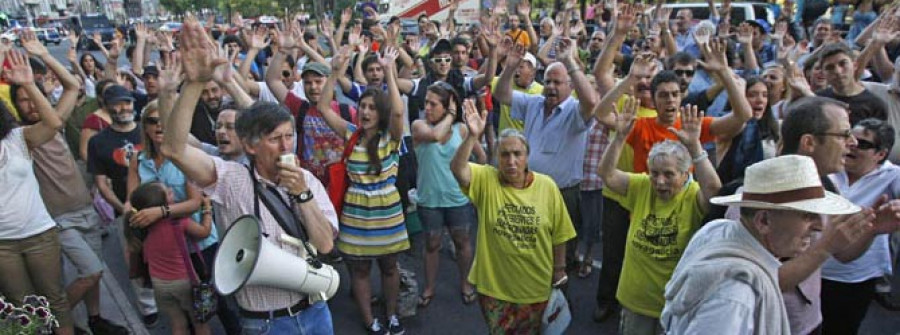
(467, 13)
(88, 24)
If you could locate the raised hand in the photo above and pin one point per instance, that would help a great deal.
(326, 27)
(363, 49)
(626, 117)
(515, 55)
(346, 15)
(223, 73)
(165, 41)
(625, 20)
(475, 120)
(141, 32)
(781, 28)
(73, 39)
(565, 49)
(258, 40)
(354, 38)
(340, 60)
(388, 57)
(31, 44)
(701, 35)
(887, 30)
(170, 72)
(691, 124)
(492, 35)
(97, 38)
(20, 69)
(797, 81)
(714, 56)
(237, 20)
(114, 49)
(523, 8)
(745, 34)
(662, 16)
(199, 56)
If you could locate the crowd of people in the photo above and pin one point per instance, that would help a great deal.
(739, 177)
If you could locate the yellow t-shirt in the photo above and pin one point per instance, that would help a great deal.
(626, 159)
(507, 121)
(517, 229)
(659, 233)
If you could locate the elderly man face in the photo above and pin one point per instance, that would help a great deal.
(597, 39)
(557, 84)
(684, 19)
(786, 233)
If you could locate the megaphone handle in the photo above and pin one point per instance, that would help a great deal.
(310, 250)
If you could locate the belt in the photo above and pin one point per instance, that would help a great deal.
(290, 311)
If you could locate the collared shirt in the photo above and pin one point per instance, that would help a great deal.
(234, 191)
(557, 141)
(598, 140)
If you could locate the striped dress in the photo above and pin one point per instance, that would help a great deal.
(372, 220)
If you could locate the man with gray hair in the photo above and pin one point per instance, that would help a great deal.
(556, 123)
(521, 215)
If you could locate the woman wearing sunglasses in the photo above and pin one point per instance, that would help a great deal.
(150, 166)
(372, 226)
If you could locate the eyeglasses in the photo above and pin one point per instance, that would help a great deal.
(438, 60)
(151, 120)
(846, 134)
(286, 74)
(687, 73)
(862, 144)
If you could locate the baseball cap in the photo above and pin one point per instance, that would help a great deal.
(761, 24)
(151, 70)
(117, 93)
(319, 68)
(442, 45)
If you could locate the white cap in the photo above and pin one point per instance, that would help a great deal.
(530, 58)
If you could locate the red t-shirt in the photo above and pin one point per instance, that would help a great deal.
(319, 145)
(94, 122)
(647, 132)
(162, 252)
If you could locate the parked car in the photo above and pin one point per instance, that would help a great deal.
(88, 24)
(9, 36)
(48, 35)
(173, 27)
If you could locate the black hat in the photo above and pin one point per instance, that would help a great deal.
(442, 46)
(117, 93)
(151, 70)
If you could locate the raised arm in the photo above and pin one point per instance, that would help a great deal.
(745, 37)
(358, 73)
(273, 72)
(199, 60)
(69, 83)
(884, 33)
(665, 34)
(112, 60)
(615, 179)
(524, 10)
(338, 67)
(476, 122)
(20, 73)
(256, 41)
(137, 61)
(169, 81)
(689, 135)
(503, 93)
(346, 15)
(492, 36)
(603, 69)
(72, 54)
(225, 77)
(388, 61)
(731, 124)
(587, 97)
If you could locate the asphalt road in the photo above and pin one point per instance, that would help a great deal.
(447, 314)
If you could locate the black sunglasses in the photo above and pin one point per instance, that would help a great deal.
(151, 120)
(862, 144)
(684, 73)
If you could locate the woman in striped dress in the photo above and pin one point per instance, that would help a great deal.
(371, 223)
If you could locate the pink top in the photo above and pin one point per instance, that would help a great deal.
(94, 122)
(161, 250)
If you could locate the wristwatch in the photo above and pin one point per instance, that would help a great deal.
(302, 197)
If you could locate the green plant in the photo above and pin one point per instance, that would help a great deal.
(33, 317)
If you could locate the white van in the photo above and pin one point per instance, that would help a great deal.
(740, 11)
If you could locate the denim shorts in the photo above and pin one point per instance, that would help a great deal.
(454, 218)
(315, 320)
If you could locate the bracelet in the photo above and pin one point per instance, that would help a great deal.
(206, 211)
(166, 211)
(700, 158)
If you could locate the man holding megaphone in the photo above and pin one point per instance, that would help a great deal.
(285, 200)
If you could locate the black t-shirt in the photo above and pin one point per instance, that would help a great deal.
(109, 153)
(203, 126)
(862, 106)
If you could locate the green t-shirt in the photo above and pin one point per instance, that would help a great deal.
(659, 233)
(517, 229)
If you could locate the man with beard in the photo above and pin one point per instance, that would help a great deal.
(460, 57)
(523, 82)
(206, 113)
(839, 66)
(65, 193)
(108, 155)
(556, 124)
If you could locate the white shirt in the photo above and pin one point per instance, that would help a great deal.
(22, 211)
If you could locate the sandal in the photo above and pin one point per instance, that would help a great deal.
(586, 268)
(425, 300)
(469, 298)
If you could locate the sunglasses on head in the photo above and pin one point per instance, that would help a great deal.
(862, 144)
(151, 120)
(439, 60)
(443, 85)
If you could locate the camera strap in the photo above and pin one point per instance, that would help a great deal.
(280, 210)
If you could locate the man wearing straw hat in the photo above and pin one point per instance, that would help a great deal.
(727, 279)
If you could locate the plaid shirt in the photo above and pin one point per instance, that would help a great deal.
(598, 140)
(234, 191)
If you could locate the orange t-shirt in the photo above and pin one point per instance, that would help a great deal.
(647, 132)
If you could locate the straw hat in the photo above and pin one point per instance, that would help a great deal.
(789, 182)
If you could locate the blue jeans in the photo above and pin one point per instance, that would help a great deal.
(315, 320)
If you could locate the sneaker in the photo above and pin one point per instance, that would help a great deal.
(101, 326)
(151, 320)
(376, 329)
(394, 326)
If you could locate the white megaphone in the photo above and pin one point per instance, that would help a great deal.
(246, 258)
